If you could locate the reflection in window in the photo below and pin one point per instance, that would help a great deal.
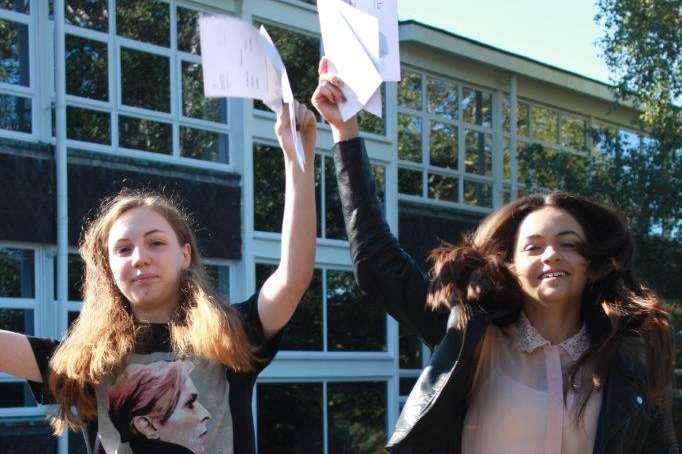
(443, 145)
(145, 80)
(204, 145)
(371, 123)
(14, 53)
(75, 277)
(477, 107)
(301, 55)
(334, 224)
(17, 320)
(194, 103)
(18, 6)
(522, 110)
(15, 113)
(410, 350)
(144, 20)
(16, 395)
(219, 277)
(346, 304)
(86, 68)
(545, 168)
(478, 194)
(410, 90)
(147, 135)
(545, 122)
(409, 138)
(479, 153)
(304, 330)
(442, 98)
(442, 187)
(188, 30)
(88, 125)
(357, 417)
(283, 411)
(410, 182)
(17, 273)
(87, 14)
(573, 133)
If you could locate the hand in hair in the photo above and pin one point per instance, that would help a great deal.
(465, 278)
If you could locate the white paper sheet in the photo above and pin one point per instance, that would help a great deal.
(360, 39)
(240, 61)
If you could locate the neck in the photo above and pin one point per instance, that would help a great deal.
(161, 313)
(555, 322)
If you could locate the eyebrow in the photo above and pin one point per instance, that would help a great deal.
(562, 233)
(151, 232)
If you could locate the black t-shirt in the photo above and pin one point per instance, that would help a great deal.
(159, 403)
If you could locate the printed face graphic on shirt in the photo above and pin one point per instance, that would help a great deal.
(155, 406)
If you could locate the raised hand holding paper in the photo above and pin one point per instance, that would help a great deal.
(240, 61)
(360, 40)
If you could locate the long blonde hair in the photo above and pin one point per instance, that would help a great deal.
(105, 332)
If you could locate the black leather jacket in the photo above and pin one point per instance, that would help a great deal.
(432, 418)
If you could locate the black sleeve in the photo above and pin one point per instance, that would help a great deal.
(388, 275)
(43, 349)
(661, 437)
(266, 349)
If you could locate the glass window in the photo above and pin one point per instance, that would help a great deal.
(410, 90)
(406, 384)
(268, 188)
(301, 56)
(188, 30)
(477, 107)
(409, 138)
(19, 6)
(17, 320)
(145, 80)
(86, 68)
(573, 133)
(14, 53)
(357, 417)
(442, 187)
(147, 135)
(545, 122)
(194, 103)
(219, 277)
(346, 304)
(443, 145)
(478, 194)
(371, 123)
(479, 153)
(442, 97)
(75, 277)
(522, 109)
(334, 224)
(546, 168)
(506, 160)
(16, 395)
(15, 113)
(144, 20)
(17, 278)
(88, 125)
(92, 14)
(410, 350)
(304, 330)
(284, 409)
(410, 182)
(205, 145)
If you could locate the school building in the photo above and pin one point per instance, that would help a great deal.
(456, 140)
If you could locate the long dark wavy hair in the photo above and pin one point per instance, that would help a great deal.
(616, 307)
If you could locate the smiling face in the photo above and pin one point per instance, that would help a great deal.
(547, 260)
(188, 424)
(146, 261)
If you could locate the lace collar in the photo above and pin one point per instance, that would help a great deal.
(529, 339)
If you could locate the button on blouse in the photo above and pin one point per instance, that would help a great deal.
(521, 402)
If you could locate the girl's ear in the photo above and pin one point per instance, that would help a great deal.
(187, 256)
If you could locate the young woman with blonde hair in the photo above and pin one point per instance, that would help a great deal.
(544, 340)
(147, 302)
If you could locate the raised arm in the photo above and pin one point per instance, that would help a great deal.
(382, 268)
(17, 358)
(283, 290)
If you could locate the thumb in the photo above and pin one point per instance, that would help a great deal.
(323, 67)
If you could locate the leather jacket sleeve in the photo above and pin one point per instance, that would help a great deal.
(661, 437)
(388, 275)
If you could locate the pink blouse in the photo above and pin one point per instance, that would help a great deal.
(517, 404)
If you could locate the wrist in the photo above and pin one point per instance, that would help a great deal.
(346, 130)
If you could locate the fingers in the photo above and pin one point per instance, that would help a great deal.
(323, 67)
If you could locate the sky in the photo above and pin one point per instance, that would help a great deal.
(561, 33)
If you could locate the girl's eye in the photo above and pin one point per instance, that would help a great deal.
(568, 245)
(123, 250)
(531, 247)
(157, 243)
